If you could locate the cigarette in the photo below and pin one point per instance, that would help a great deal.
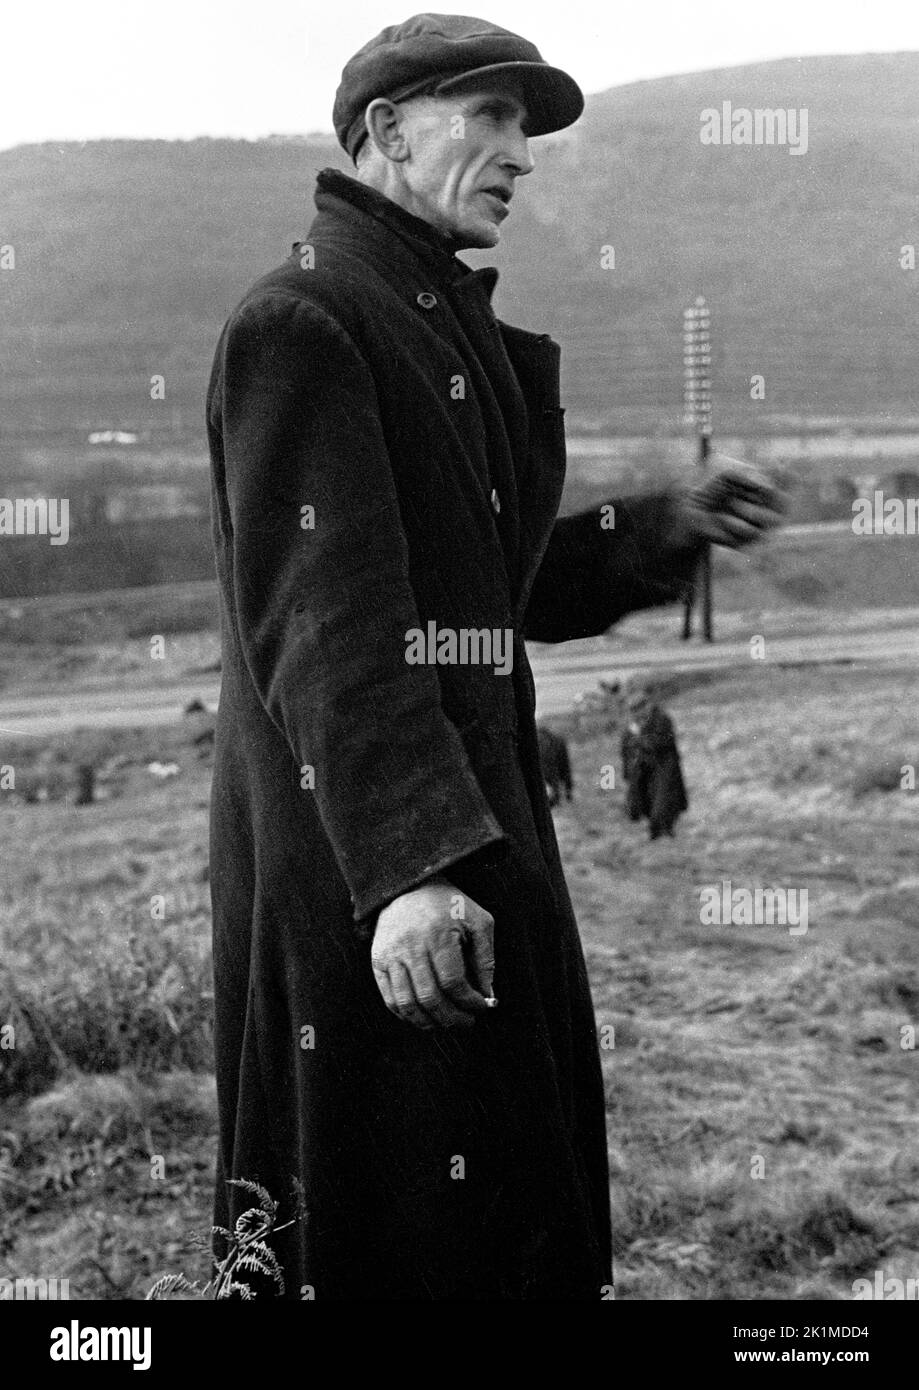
(491, 1001)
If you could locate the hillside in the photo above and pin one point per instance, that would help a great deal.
(129, 255)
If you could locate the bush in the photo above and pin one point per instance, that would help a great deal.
(147, 1005)
(880, 774)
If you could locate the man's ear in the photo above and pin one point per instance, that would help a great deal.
(385, 123)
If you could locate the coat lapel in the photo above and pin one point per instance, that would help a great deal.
(536, 358)
(414, 261)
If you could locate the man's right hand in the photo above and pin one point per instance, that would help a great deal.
(433, 956)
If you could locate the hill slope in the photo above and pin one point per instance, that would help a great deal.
(129, 254)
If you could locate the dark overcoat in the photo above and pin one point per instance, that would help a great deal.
(651, 763)
(386, 454)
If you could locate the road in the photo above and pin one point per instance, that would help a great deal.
(561, 676)
(562, 673)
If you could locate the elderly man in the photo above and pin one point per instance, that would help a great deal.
(404, 1029)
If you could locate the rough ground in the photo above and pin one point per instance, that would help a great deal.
(737, 1049)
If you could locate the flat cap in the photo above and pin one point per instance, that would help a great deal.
(440, 53)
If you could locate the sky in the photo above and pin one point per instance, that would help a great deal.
(176, 69)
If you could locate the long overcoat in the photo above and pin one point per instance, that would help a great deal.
(653, 772)
(387, 458)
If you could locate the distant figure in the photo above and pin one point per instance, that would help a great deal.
(86, 785)
(205, 725)
(556, 765)
(651, 766)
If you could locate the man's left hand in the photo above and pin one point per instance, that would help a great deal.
(736, 504)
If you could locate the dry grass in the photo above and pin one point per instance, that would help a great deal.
(733, 1044)
(737, 1043)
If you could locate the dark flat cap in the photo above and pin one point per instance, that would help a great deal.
(440, 53)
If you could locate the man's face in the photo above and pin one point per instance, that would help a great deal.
(465, 153)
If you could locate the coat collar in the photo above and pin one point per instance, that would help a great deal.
(412, 255)
(338, 194)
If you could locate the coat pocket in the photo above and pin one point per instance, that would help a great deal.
(553, 428)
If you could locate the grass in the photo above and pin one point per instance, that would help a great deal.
(105, 959)
(762, 1119)
(74, 619)
(817, 571)
(761, 1110)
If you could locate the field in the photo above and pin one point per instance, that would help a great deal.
(738, 1043)
(761, 1080)
(762, 1110)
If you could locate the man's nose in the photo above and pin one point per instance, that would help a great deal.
(518, 157)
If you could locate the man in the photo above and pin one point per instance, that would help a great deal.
(651, 764)
(387, 467)
(556, 765)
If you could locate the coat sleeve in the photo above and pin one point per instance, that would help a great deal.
(323, 602)
(592, 575)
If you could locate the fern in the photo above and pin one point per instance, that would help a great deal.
(177, 1283)
(256, 1261)
(242, 1290)
(267, 1204)
(247, 1250)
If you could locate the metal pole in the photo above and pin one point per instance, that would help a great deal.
(706, 565)
(687, 612)
(697, 403)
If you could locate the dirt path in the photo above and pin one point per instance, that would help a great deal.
(562, 673)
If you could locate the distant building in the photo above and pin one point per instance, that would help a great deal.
(112, 437)
(148, 503)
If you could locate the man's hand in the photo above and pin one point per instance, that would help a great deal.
(433, 968)
(736, 504)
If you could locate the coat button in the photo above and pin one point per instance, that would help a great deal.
(426, 300)
(495, 499)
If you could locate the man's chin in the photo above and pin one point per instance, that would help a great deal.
(478, 236)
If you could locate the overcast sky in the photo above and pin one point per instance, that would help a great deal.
(180, 68)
